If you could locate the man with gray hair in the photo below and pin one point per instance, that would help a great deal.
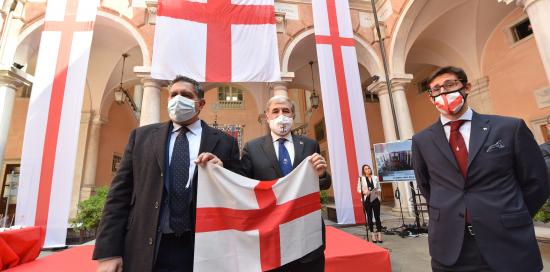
(275, 155)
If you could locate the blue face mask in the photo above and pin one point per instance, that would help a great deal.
(181, 109)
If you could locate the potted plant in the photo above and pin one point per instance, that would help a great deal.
(89, 213)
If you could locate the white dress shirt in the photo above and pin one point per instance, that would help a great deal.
(465, 129)
(288, 144)
(194, 138)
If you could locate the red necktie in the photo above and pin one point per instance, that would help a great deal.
(458, 146)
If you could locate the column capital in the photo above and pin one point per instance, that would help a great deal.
(99, 120)
(14, 77)
(287, 76)
(398, 82)
(281, 87)
(378, 87)
(144, 73)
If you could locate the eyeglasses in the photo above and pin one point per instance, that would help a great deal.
(448, 85)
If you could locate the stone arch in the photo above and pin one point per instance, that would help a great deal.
(366, 54)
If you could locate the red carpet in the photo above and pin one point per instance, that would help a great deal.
(74, 259)
(344, 252)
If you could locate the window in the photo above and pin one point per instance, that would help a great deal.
(522, 30)
(230, 98)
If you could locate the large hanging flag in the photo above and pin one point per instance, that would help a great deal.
(216, 41)
(250, 225)
(53, 120)
(349, 144)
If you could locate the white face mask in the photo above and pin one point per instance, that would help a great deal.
(281, 125)
(449, 103)
(181, 109)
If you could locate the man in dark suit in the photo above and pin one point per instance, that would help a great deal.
(276, 154)
(148, 219)
(483, 177)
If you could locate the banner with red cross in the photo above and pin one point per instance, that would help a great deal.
(53, 121)
(250, 225)
(346, 122)
(216, 41)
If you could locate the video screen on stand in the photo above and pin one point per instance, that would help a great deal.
(394, 161)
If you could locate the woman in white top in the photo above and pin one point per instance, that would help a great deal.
(369, 187)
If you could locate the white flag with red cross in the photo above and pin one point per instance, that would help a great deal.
(216, 41)
(349, 144)
(251, 225)
(53, 119)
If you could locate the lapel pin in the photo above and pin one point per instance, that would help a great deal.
(484, 128)
(301, 142)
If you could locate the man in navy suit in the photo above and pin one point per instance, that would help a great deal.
(274, 155)
(483, 177)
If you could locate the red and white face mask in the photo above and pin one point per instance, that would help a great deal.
(449, 103)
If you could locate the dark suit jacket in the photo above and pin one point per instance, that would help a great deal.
(259, 161)
(130, 219)
(506, 185)
(545, 149)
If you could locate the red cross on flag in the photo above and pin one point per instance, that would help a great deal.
(349, 144)
(250, 225)
(53, 120)
(216, 41)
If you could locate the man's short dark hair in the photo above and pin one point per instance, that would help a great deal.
(198, 87)
(458, 72)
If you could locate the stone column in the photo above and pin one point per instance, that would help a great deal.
(12, 26)
(90, 162)
(402, 111)
(150, 107)
(539, 16)
(479, 98)
(280, 88)
(138, 99)
(404, 124)
(380, 89)
(406, 131)
(10, 80)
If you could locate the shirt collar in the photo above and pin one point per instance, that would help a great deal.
(467, 115)
(276, 137)
(194, 127)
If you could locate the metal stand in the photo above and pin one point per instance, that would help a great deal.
(397, 195)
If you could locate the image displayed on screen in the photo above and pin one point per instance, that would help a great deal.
(393, 161)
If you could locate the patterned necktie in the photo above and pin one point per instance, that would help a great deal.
(179, 175)
(284, 159)
(458, 146)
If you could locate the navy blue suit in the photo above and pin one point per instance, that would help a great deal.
(506, 185)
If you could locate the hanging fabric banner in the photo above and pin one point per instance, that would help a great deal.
(53, 120)
(349, 145)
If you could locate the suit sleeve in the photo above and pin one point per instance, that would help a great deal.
(232, 162)
(325, 180)
(112, 227)
(530, 169)
(420, 171)
(245, 168)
